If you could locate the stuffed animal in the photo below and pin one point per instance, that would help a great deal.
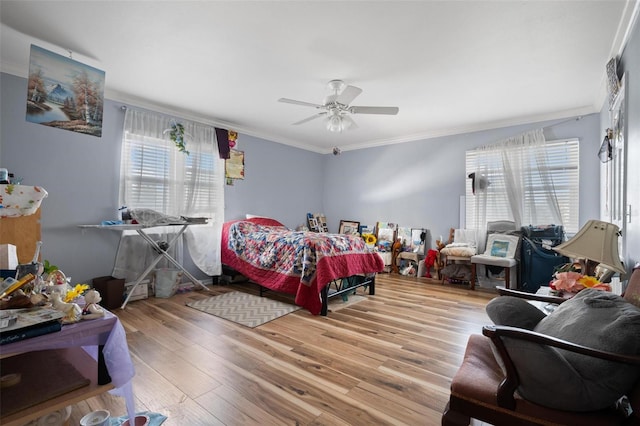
(72, 311)
(92, 310)
(395, 251)
(429, 261)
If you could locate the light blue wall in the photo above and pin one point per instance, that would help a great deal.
(280, 181)
(415, 184)
(81, 175)
(419, 184)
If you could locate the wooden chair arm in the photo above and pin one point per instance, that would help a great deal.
(496, 331)
(510, 383)
(503, 291)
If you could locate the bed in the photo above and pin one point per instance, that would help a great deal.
(309, 265)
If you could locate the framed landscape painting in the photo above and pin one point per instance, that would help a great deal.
(64, 93)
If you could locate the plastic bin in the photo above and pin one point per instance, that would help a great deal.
(111, 290)
(167, 282)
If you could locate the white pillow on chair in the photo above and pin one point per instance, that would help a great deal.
(465, 236)
(463, 245)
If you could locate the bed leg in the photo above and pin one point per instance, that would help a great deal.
(324, 294)
(372, 286)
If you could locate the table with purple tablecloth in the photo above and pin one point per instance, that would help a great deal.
(104, 339)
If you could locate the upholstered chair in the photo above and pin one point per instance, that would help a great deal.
(578, 365)
(456, 256)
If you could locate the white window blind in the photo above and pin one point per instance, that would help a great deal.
(156, 175)
(559, 178)
(161, 178)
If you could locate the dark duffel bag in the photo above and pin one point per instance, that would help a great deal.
(549, 235)
(537, 265)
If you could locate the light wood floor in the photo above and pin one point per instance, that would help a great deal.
(387, 360)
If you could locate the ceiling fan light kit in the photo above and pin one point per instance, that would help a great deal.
(336, 107)
(334, 123)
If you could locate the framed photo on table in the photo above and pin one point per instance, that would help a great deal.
(348, 227)
(404, 235)
(386, 235)
(419, 240)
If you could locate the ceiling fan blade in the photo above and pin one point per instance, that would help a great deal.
(373, 110)
(348, 95)
(313, 117)
(293, 101)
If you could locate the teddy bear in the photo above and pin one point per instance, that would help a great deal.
(91, 309)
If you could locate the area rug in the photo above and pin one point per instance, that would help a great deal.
(242, 308)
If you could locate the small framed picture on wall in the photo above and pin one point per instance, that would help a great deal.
(348, 227)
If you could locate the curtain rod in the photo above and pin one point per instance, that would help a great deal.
(174, 117)
(578, 118)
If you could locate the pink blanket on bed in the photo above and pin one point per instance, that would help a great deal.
(294, 262)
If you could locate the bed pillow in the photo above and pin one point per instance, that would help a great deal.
(252, 216)
(564, 380)
(265, 221)
(502, 245)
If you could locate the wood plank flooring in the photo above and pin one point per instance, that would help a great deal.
(386, 360)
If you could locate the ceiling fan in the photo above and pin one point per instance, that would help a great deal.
(336, 108)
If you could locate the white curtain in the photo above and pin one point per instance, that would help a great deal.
(513, 181)
(154, 174)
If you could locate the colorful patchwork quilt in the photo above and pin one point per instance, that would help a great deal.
(294, 262)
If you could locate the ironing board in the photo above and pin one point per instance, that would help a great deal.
(162, 253)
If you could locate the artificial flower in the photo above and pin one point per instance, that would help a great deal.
(593, 282)
(75, 292)
(588, 281)
(369, 239)
(573, 282)
(567, 281)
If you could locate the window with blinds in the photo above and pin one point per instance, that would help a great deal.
(559, 176)
(158, 176)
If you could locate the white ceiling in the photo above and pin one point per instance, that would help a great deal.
(450, 66)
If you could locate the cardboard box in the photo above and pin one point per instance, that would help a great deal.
(8, 256)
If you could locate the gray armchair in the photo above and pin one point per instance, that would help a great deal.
(580, 365)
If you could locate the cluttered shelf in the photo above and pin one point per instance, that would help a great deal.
(94, 352)
(48, 381)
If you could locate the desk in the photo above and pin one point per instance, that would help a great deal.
(105, 341)
(140, 229)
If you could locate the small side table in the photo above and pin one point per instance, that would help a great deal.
(99, 350)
